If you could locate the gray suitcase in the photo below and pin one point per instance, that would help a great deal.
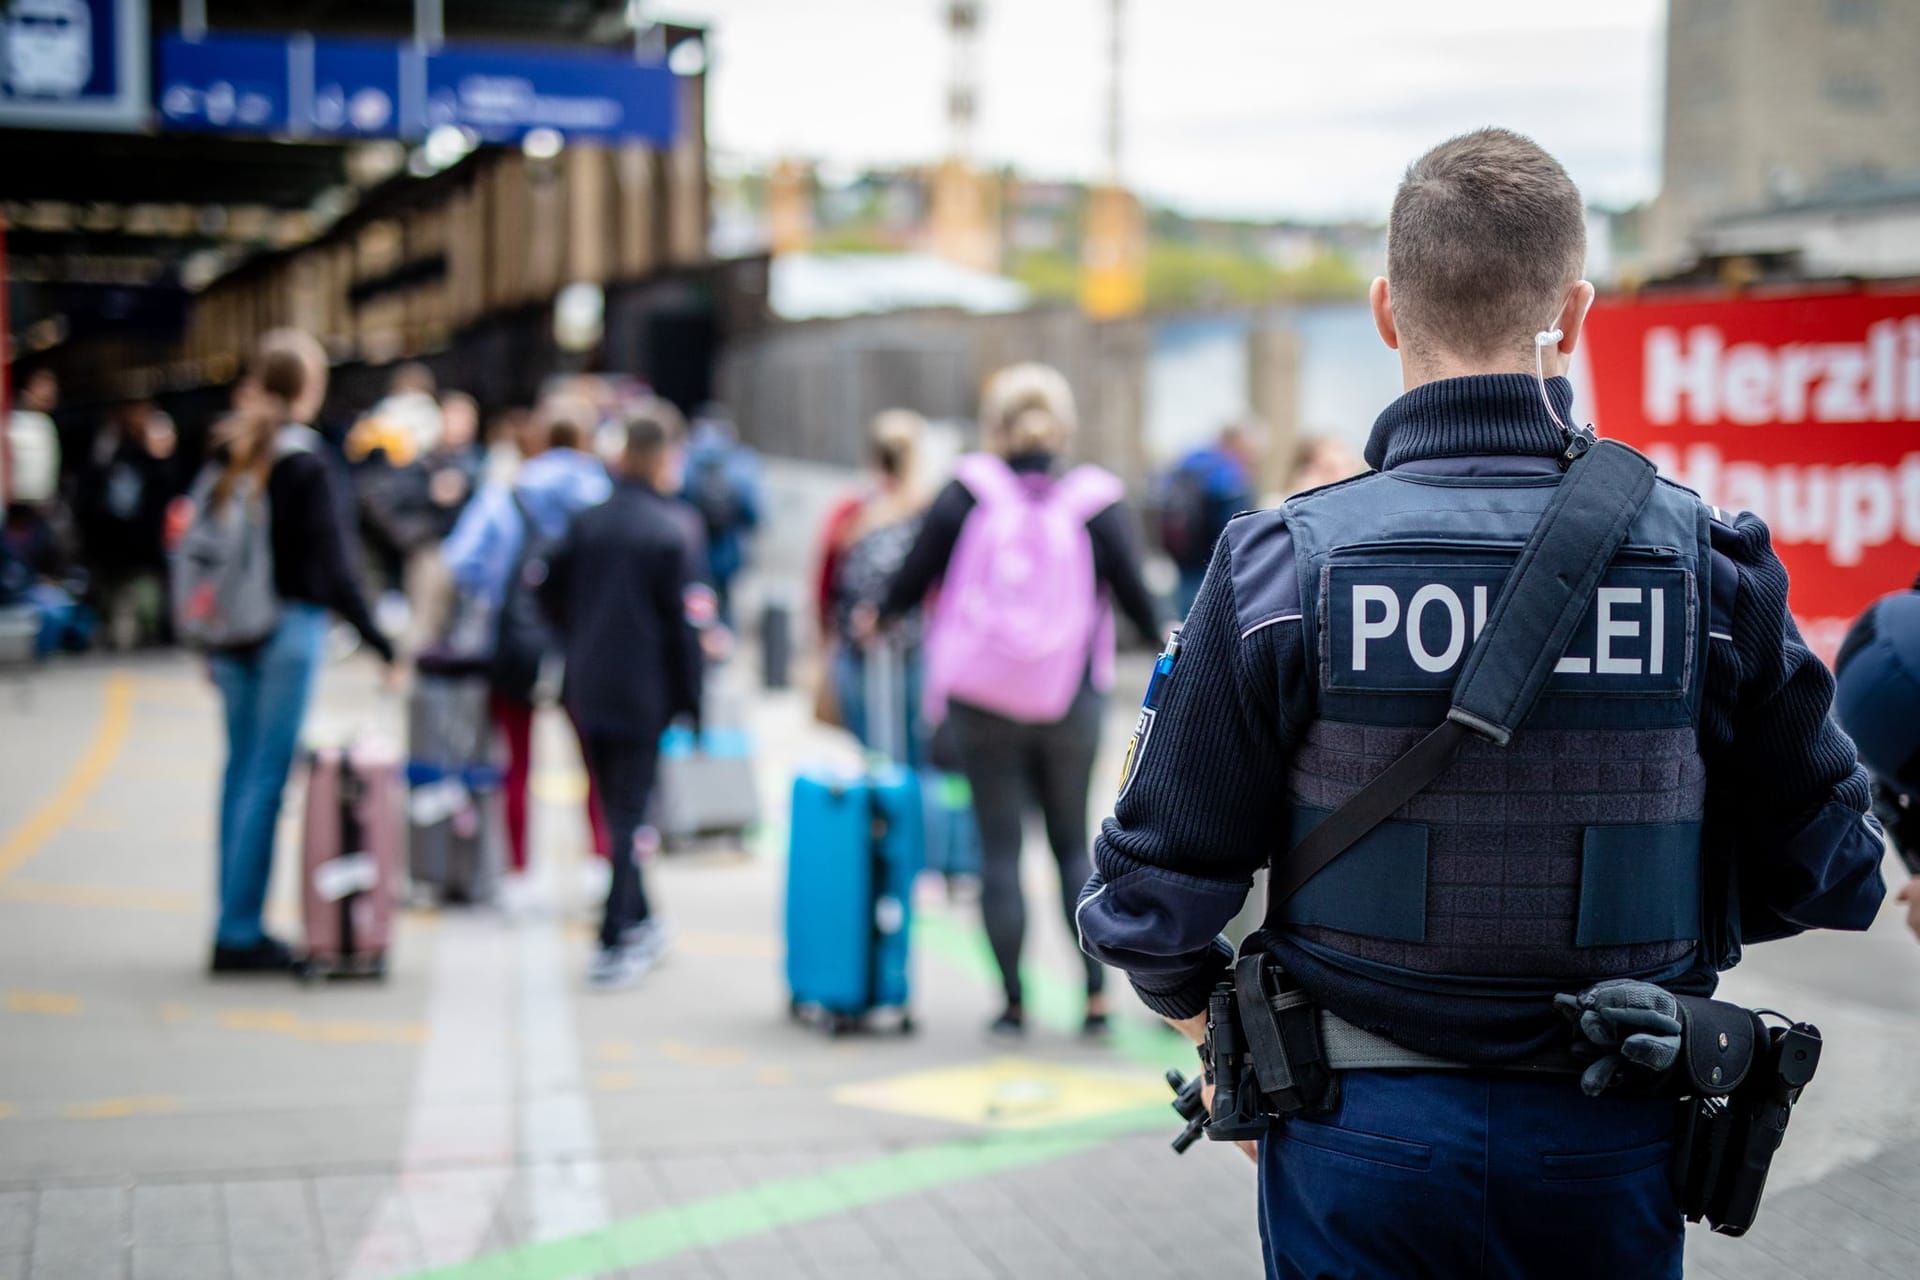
(455, 827)
(707, 789)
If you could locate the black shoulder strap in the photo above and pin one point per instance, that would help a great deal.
(1543, 600)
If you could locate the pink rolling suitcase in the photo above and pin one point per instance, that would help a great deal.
(350, 859)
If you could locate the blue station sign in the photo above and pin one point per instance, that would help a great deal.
(503, 95)
(301, 87)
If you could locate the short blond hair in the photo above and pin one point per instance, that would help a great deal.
(1027, 408)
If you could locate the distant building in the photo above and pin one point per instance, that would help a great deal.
(1774, 103)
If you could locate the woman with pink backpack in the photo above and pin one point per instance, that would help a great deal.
(1030, 559)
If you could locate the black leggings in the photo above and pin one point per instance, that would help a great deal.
(1009, 764)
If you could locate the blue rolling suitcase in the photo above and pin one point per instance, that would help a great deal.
(855, 851)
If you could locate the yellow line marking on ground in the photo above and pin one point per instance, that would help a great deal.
(286, 1022)
(8, 1109)
(616, 1050)
(116, 718)
(772, 1075)
(54, 1002)
(115, 897)
(559, 786)
(120, 1108)
(616, 1081)
(175, 1014)
(696, 1055)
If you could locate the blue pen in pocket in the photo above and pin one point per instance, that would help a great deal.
(1149, 710)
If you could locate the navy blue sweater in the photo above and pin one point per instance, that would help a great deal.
(1208, 800)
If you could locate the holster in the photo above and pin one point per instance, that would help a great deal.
(1264, 1052)
(1740, 1080)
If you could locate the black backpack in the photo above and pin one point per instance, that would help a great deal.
(523, 637)
(1186, 518)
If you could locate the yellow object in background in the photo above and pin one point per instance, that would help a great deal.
(1113, 277)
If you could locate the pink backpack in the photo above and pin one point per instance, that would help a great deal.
(1020, 615)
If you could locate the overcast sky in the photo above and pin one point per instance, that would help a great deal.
(1242, 107)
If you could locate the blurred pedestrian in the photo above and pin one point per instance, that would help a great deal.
(1198, 496)
(130, 476)
(1322, 460)
(1020, 649)
(486, 554)
(266, 687)
(387, 448)
(867, 540)
(723, 484)
(35, 441)
(435, 490)
(624, 590)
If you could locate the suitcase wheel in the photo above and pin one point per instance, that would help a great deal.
(907, 1026)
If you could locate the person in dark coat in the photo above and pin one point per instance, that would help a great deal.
(624, 591)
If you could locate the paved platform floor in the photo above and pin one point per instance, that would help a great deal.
(480, 1114)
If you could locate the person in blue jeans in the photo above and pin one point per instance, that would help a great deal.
(266, 687)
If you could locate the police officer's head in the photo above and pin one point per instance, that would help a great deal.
(1485, 248)
(1877, 689)
(655, 451)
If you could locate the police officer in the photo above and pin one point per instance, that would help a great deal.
(1877, 701)
(1683, 737)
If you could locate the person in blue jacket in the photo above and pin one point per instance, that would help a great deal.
(1199, 495)
(558, 480)
(1680, 787)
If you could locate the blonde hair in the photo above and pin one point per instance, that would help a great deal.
(1027, 408)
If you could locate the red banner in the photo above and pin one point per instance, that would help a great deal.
(1803, 409)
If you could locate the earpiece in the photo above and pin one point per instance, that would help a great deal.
(1541, 341)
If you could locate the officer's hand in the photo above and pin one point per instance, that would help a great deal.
(1630, 1029)
(1249, 1149)
(1910, 894)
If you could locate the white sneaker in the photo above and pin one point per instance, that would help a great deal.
(617, 967)
(652, 937)
(596, 878)
(515, 894)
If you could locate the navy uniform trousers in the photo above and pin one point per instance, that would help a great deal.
(1468, 1174)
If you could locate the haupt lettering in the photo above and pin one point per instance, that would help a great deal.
(1695, 377)
(1618, 615)
(1849, 509)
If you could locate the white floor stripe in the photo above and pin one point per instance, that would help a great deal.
(461, 1111)
(564, 1187)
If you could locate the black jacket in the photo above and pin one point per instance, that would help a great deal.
(311, 561)
(624, 591)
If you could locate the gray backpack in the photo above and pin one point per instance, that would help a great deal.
(222, 579)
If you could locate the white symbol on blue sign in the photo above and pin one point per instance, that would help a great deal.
(49, 48)
(370, 110)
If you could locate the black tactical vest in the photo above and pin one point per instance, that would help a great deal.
(1568, 856)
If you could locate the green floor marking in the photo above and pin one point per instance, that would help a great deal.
(1054, 1002)
(733, 1215)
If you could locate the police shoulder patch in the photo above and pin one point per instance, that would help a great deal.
(1136, 748)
